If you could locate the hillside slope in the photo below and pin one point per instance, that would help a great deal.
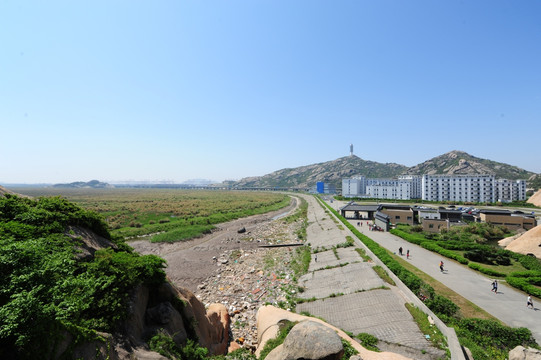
(452, 163)
(330, 172)
(458, 162)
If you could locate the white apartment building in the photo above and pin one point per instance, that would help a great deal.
(468, 188)
(416, 184)
(389, 189)
(359, 186)
(510, 190)
(354, 187)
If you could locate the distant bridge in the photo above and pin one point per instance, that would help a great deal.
(213, 187)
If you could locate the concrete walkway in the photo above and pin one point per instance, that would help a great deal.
(351, 296)
(508, 305)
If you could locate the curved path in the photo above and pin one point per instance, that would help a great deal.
(508, 305)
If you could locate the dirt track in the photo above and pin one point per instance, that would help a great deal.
(191, 262)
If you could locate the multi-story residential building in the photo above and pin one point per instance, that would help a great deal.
(354, 187)
(510, 190)
(389, 189)
(404, 188)
(467, 188)
(472, 188)
(416, 184)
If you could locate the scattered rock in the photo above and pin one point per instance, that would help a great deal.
(522, 353)
(245, 281)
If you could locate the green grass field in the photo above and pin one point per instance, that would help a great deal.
(167, 214)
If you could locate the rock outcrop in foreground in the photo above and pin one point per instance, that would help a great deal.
(310, 338)
(522, 353)
(166, 309)
(171, 311)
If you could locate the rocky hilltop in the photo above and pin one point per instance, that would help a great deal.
(332, 172)
(458, 162)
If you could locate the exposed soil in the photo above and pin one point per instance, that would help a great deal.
(527, 243)
(191, 262)
(535, 198)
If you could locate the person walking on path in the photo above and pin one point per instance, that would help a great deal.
(315, 258)
(530, 302)
(400, 251)
(407, 254)
(495, 286)
(441, 266)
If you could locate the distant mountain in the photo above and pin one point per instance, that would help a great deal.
(453, 162)
(199, 182)
(330, 172)
(94, 184)
(458, 162)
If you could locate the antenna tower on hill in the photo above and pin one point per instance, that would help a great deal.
(351, 150)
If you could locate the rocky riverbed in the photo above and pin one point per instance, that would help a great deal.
(244, 280)
(233, 268)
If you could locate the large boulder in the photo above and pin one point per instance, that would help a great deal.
(269, 319)
(522, 353)
(309, 340)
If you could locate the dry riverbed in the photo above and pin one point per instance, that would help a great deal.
(232, 268)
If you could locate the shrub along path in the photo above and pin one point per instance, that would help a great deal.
(508, 305)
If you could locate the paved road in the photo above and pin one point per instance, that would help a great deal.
(508, 305)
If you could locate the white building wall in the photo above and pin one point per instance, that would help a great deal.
(416, 185)
(467, 188)
(353, 187)
(389, 189)
(510, 190)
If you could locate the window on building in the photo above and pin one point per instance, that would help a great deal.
(430, 226)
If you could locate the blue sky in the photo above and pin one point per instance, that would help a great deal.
(177, 90)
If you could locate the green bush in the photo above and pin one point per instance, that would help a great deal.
(524, 285)
(492, 333)
(45, 291)
(485, 270)
(441, 305)
(164, 345)
(349, 350)
(368, 341)
(529, 262)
